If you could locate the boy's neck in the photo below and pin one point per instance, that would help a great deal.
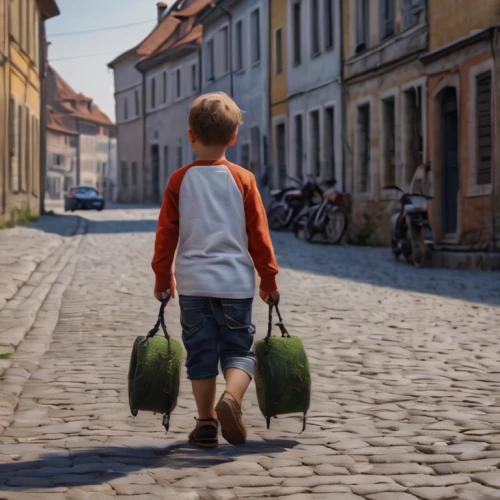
(211, 154)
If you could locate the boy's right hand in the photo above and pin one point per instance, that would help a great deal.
(265, 296)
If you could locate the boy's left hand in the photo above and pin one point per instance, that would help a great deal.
(161, 296)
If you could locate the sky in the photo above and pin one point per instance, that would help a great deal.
(90, 75)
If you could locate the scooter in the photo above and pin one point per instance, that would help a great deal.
(411, 233)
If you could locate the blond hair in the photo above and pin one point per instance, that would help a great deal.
(214, 119)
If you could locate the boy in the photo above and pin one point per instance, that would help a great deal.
(213, 210)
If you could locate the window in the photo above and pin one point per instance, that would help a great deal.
(328, 19)
(166, 173)
(124, 174)
(153, 92)
(164, 78)
(414, 142)
(389, 142)
(411, 12)
(178, 82)
(225, 48)
(255, 35)
(364, 148)
(362, 25)
(245, 155)
(137, 106)
(194, 78)
(209, 61)
(278, 51)
(314, 134)
(179, 156)
(299, 148)
(125, 108)
(281, 153)
(386, 18)
(239, 45)
(329, 142)
(135, 173)
(315, 48)
(484, 127)
(297, 33)
(14, 14)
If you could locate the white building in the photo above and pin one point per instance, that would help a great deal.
(172, 82)
(314, 38)
(235, 61)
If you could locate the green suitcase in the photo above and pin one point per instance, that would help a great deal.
(282, 375)
(155, 371)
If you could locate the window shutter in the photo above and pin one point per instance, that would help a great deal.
(483, 103)
(14, 147)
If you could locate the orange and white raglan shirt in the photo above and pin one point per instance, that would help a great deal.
(213, 215)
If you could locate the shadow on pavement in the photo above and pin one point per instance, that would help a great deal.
(97, 466)
(376, 266)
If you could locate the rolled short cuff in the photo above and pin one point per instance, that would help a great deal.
(247, 364)
(201, 376)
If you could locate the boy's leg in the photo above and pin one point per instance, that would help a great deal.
(236, 334)
(204, 395)
(199, 334)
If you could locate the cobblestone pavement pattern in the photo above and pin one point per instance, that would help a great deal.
(406, 384)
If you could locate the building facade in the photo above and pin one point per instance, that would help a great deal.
(462, 106)
(386, 115)
(314, 68)
(22, 62)
(278, 98)
(235, 61)
(172, 82)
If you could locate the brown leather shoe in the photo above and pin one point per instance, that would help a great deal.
(205, 433)
(229, 415)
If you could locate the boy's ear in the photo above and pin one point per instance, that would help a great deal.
(192, 138)
(233, 140)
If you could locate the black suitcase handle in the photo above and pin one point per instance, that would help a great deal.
(280, 325)
(161, 323)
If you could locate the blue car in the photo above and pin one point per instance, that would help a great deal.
(83, 198)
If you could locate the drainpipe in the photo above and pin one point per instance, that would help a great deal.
(494, 39)
(43, 62)
(144, 136)
(270, 158)
(200, 68)
(343, 101)
(230, 18)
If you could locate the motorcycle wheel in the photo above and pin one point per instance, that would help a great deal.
(278, 218)
(309, 228)
(418, 248)
(299, 225)
(336, 226)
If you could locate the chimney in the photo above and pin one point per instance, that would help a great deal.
(161, 8)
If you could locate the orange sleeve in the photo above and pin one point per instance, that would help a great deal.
(167, 236)
(260, 245)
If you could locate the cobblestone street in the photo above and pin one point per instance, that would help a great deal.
(405, 363)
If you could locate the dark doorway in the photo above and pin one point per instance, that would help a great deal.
(281, 150)
(155, 174)
(450, 173)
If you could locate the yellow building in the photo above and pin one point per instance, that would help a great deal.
(22, 50)
(279, 91)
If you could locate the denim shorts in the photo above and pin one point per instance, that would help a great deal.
(217, 330)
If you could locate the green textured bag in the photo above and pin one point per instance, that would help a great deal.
(282, 374)
(155, 372)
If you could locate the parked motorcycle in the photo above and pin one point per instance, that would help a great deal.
(327, 215)
(287, 204)
(411, 233)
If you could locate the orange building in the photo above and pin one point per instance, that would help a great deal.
(462, 145)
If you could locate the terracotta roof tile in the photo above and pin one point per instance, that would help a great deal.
(64, 101)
